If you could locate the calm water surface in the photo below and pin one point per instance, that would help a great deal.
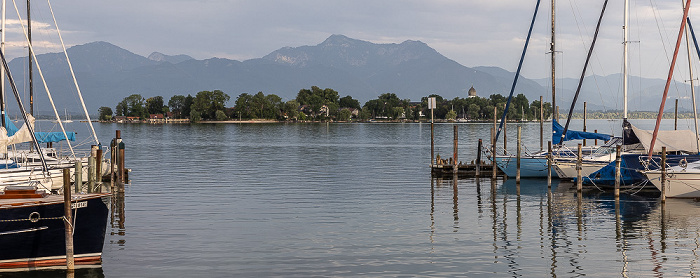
(305, 200)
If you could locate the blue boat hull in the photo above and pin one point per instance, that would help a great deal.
(40, 243)
(530, 166)
(630, 170)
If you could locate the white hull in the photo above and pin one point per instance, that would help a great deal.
(567, 169)
(680, 183)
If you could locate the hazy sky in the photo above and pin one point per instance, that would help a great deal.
(471, 32)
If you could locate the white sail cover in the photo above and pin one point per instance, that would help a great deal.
(21, 136)
(673, 140)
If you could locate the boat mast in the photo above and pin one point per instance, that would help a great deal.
(553, 52)
(31, 83)
(692, 85)
(2, 70)
(624, 60)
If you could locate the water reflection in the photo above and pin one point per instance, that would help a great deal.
(117, 218)
(576, 232)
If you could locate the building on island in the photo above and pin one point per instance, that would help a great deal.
(472, 92)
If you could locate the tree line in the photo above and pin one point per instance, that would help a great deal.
(322, 105)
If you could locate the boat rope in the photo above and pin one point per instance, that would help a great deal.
(583, 72)
(75, 81)
(41, 74)
(517, 72)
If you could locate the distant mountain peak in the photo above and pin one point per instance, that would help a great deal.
(174, 59)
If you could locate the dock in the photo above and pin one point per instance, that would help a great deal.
(464, 170)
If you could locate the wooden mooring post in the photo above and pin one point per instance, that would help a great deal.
(432, 142)
(579, 184)
(675, 117)
(78, 176)
(478, 159)
(493, 154)
(663, 174)
(541, 125)
(517, 171)
(549, 164)
(454, 155)
(68, 220)
(618, 161)
(584, 121)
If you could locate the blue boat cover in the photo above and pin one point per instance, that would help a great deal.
(42, 137)
(557, 129)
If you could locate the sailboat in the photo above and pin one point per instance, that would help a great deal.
(535, 165)
(33, 220)
(643, 144)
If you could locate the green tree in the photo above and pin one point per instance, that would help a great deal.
(316, 99)
(177, 105)
(105, 113)
(451, 115)
(344, 114)
(132, 106)
(208, 102)
(221, 116)
(349, 102)
(154, 105)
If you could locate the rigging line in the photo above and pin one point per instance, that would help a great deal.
(517, 72)
(75, 81)
(583, 72)
(46, 87)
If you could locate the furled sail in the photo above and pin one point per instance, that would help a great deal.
(557, 130)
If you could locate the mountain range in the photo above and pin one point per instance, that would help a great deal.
(364, 70)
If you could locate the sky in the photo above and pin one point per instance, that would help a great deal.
(471, 32)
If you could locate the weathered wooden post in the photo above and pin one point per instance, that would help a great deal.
(618, 162)
(493, 154)
(584, 121)
(549, 164)
(454, 155)
(478, 159)
(122, 158)
(663, 174)
(596, 140)
(432, 105)
(541, 125)
(675, 117)
(505, 134)
(78, 176)
(517, 171)
(579, 184)
(67, 221)
(91, 174)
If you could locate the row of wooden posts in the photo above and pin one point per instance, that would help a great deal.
(579, 180)
(94, 185)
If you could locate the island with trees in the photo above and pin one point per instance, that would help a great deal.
(316, 104)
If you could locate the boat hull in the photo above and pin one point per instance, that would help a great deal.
(530, 166)
(32, 234)
(679, 184)
(567, 169)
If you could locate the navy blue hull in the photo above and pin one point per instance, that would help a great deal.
(39, 242)
(630, 169)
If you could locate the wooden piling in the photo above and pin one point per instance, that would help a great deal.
(584, 121)
(432, 142)
(454, 155)
(541, 125)
(596, 140)
(579, 161)
(91, 174)
(517, 171)
(549, 164)
(478, 159)
(618, 161)
(675, 117)
(68, 221)
(493, 154)
(663, 174)
(505, 134)
(78, 176)
(122, 158)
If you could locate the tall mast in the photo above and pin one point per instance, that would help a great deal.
(2, 70)
(624, 60)
(29, 35)
(553, 52)
(692, 85)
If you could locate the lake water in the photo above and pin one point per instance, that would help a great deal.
(314, 200)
